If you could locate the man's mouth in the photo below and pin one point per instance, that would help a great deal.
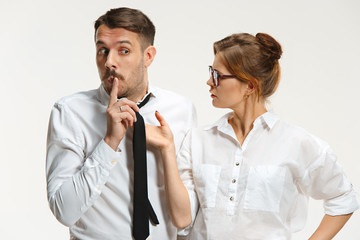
(111, 75)
(111, 79)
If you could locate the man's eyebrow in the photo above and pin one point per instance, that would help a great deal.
(119, 42)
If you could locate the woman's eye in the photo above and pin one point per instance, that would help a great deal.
(124, 51)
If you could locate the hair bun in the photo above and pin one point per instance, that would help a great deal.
(270, 44)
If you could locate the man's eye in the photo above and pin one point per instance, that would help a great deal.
(102, 52)
(124, 51)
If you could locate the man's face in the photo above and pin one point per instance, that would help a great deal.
(119, 54)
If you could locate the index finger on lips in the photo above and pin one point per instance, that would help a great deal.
(114, 92)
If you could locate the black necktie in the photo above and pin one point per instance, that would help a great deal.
(142, 206)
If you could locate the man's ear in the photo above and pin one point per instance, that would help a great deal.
(149, 55)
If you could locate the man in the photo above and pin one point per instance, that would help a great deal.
(90, 165)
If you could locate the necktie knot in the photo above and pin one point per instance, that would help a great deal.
(145, 101)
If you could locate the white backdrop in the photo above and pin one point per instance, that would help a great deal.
(47, 51)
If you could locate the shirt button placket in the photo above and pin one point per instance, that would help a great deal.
(233, 183)
(237, 164)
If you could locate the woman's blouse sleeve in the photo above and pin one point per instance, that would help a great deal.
(324, 179)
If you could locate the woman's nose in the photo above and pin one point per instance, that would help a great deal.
(210, 82)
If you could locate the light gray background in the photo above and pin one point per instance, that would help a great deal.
(47, 51)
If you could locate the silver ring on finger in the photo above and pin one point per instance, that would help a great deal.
(120, 108)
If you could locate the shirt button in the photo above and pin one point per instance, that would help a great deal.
(113, 162)
(231, 198)
(99, 187)
(233, 181)
(237, 164)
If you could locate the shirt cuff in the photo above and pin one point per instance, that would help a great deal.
(341, 205)
(194, 204)
(105, 155)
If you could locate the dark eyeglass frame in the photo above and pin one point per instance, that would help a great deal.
(216, 76)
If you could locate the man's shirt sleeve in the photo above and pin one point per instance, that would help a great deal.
(74, 180)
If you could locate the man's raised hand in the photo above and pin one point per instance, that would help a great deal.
(120, 114)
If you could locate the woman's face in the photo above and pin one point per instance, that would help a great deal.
(230, 93)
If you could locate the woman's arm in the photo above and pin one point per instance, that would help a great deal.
(330, 226)
(177, 198)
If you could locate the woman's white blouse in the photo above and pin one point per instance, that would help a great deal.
(259, 190)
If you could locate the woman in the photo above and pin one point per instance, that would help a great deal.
(249, 175)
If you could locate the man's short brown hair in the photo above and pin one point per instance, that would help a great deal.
(130, 19)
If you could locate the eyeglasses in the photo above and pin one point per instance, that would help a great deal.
(216, 76)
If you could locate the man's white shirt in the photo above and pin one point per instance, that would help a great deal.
(90, 186)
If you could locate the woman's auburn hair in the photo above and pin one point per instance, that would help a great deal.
(252, 58)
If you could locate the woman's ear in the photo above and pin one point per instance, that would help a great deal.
(149, 55)
(252, 87)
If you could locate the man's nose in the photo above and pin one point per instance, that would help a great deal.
(111, 61)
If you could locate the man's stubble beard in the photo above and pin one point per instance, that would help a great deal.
(136, 77)
(138, 84)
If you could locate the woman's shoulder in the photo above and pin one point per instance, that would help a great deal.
(211, 132)
(299, 135)
(221, 122)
